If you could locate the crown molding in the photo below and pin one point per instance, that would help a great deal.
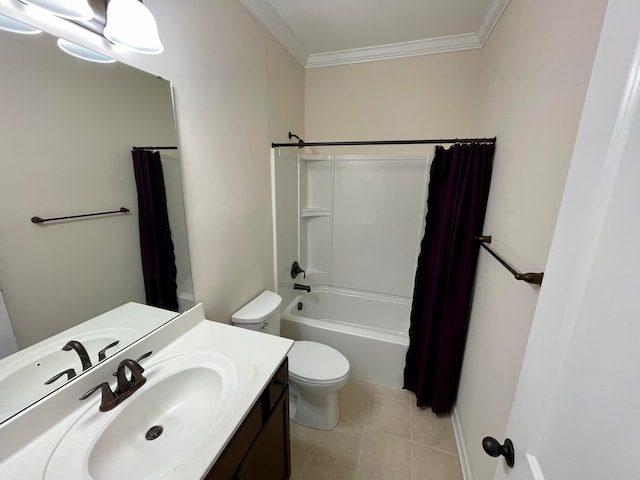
(453, 43)
(495, 11)
(263, 11)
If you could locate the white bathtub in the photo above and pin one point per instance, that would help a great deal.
(371, 331)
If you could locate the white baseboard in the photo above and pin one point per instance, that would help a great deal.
(462, 449)
(534, 466)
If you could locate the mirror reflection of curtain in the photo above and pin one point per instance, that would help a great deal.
(156, 245)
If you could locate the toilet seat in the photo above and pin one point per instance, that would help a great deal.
(317, 364)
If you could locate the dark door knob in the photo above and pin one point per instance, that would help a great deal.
(493, 448)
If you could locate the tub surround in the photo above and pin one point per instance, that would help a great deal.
(341, 239)
(28, 440)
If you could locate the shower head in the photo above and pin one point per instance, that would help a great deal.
(300, 141)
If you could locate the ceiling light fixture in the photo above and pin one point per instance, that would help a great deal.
(14, 26)
(71, 9)
(131, 24)
(82, 53)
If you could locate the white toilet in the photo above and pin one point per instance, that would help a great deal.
(316, 371)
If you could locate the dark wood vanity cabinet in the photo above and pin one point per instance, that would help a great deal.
(260, 449)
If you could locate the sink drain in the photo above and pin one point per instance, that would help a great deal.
(154, 432)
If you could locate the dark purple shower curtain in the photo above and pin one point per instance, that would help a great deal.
(456, 204)
(156, 246)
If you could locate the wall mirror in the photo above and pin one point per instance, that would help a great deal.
(68, 128)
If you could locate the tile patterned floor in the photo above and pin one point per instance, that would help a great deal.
(382, 435)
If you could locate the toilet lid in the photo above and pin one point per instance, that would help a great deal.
(315, 361)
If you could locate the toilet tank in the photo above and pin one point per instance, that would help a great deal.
(261, 314)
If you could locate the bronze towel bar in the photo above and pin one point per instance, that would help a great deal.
(534, 278)
(43, 220)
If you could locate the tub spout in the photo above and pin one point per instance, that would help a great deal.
(298, 286)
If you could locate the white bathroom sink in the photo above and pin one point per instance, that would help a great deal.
(188, 397)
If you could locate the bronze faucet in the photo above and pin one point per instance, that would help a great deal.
(125, 388)
(81, 351)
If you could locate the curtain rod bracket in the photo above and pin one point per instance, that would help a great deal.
(484, 239)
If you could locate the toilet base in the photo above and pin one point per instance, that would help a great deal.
(321, 412)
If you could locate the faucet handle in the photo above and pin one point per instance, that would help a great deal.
(296, 270)
(108, 398)
(143, 356)
(102, 354)
(70, 373)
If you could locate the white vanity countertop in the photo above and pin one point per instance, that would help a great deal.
(257, 356)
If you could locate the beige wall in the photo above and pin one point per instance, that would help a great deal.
(418, 97)
(68, 128)
(237, 90)
(527, 87)
(536, 67)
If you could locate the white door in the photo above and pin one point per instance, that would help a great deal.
(576, 413)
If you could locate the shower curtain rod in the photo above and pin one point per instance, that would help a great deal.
(155, 148)
(301, 143)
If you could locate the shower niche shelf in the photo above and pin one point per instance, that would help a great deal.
(317, 277)
(315, 212)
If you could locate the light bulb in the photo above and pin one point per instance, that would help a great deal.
(131, 24)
